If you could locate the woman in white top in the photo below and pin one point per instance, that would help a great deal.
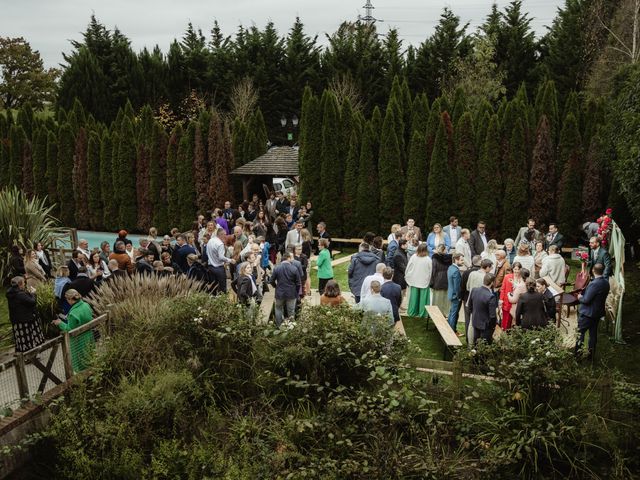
(97, 269)
(524, 256)
(418, 276)
(490, 254)
(392, 236)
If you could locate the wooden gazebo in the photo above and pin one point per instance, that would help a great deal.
(277, 162)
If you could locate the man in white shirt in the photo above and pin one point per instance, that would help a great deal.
(454, 232)
(294, 237)
(462, 246)
(217, 260)
(366, 284)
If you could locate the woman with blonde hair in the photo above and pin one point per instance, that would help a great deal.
(418, 276)
(394, 228)
(34, 273)
(80, 314)
(524, 256)
(490, 254)
(437, 237)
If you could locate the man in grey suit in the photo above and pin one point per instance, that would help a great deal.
(377, 304)
(531, 225)
(597, 254)
(411, 227)
(483, 304)
(453, 230)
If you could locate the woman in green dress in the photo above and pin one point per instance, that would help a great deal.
(325, 270)
(81, 345)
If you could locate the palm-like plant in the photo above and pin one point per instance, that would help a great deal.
(23, 222)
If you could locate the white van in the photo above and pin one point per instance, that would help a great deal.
(287, 186)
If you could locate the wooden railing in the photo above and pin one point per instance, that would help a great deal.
(25, 383)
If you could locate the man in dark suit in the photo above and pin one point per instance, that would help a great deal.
(293, 210)
(286, 280)
(115, 271)
(478, 239)
(77, 261)
(392, 292)
(464, 295)
(322, 233)
(597, 254)
(483, 305)
(554, 237)
(282, 204)
(83, 284)
(592, 308)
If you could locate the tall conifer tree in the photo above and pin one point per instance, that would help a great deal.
(514, 213)
(350, 188)
(17, 139)
(27, 169)
(542, 181)
(466, 170)
(593, 187)
(311, 152)
(52, 169)
(158, 178)
(570, 142)
(392, 182)
(415, 195)
(66, 147)
(440, 198)
(94, 193)
(489, 178)
(367, 204)
(40, 162)
(173, 198)
(184, 170)
(570, 188)
(109, 212)
(201, 169)
(332, 169)
(124, 176)
(80, 179)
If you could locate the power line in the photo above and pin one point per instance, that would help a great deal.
(368, 18)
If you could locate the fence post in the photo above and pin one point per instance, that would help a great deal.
(606, 395)
(457, 378)
(66, 355)
(21, 374)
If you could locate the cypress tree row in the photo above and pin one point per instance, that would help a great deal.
(415, 196)
(367, 217)
(390, 173)
(96, 212)
(420, 117)
(52, 168)
(515, 198)
(4, 151)
(145, 212)
(80, 179)
(66, 147)
(489, 177)
(432, 125)
(239, 139)
(39, 172)
(466, 170)
(350, 187)
(106, 182)
(542, 181)
(17, 140)
(548, 106)
(331, 174)
(440, 203)
(157, 177)
(173, 208)
(124, 176)
(346, 127)
(184, 170)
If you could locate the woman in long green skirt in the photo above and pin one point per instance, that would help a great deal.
(418, 276)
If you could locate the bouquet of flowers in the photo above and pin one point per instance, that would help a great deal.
(582, 256)
(604, 227)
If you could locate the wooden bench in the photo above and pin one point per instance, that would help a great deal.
(449, 337)
(337, 262)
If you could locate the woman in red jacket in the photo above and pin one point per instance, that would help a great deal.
(511, 280)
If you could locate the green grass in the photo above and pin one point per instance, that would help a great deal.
(6, 339)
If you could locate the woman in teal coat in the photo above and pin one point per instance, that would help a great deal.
(325, 270)
(81, 345)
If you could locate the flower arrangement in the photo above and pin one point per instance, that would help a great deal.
(604, 227)
(582, 256)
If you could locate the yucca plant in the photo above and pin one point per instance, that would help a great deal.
(23, 221)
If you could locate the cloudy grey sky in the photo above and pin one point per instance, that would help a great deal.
(49, 24)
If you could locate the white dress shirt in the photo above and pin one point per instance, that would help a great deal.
(215, 253)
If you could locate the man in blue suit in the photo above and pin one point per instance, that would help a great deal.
(597, 254)
(454, 280)
(483, 305)
(592, 309)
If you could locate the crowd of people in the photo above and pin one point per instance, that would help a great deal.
(257, 246)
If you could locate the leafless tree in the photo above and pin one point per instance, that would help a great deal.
(244, 97)
(343, 87)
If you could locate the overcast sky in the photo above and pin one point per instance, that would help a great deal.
(49, 24)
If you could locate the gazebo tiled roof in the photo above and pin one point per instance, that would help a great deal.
(277, 161)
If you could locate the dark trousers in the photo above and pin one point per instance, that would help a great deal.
(322, 282)
(220, 278)
(486, 334)
(357, 297)
(591, 325)
(467, 319)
